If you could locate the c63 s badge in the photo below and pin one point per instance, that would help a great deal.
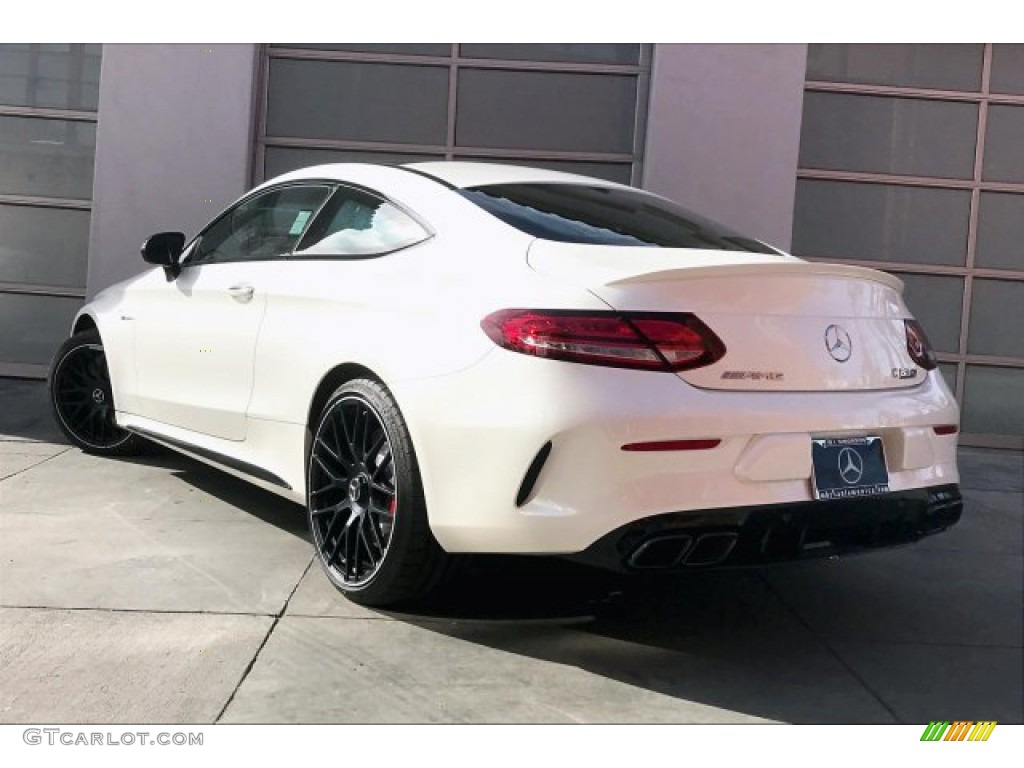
(904, 373)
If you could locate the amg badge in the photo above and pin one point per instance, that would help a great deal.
(753, 375)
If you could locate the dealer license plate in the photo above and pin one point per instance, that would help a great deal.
(846, 467)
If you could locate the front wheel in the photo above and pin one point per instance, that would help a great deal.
(367, 514)
(83, 399)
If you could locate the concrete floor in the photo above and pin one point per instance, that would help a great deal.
(159, 590)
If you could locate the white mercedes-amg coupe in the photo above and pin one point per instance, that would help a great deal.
(448, 357)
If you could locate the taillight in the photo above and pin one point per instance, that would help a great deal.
(918, 346)
(653, 342)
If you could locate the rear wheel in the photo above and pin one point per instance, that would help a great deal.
(367, 514)
(83, 400)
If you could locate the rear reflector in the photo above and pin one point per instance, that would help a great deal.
(673, 445)
(644, 341)
(946, 429)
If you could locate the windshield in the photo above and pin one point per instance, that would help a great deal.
(595, 215)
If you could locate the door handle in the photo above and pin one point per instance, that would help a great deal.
(242, 293)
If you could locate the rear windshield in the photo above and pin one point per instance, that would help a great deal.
(594, 215)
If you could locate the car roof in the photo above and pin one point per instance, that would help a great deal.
(461, 174)
(452, 173)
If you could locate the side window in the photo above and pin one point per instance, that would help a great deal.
(358, 224)
(264, 227)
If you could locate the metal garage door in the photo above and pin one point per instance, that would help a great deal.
(48, 98)
(912, 160)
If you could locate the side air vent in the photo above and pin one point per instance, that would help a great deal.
(532, 473)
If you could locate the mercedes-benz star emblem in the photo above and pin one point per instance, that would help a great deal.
(838, 344)
(97, 396)
(851, 466)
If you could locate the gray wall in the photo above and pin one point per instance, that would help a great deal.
(175, 127)
(723, 132)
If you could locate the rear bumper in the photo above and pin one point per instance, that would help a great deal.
(777, 532)
(478, 435)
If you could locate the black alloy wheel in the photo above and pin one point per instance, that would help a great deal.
(352, 494)
(365, 502)
(83, 400)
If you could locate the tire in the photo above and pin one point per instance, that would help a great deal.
(82, 398)
(364, 500)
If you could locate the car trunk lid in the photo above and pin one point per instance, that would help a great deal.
(787, 324)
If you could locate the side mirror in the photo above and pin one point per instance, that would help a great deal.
(163, 249)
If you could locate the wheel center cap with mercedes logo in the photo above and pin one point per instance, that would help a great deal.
(851, 466)
(357, 488)
(838, 344)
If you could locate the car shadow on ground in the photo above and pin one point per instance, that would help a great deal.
(25, 415)
(721, 639)
(255, 501)
(25, 412)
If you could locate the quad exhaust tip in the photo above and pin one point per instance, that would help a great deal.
(661, 552)
(712, 548)
(673, 550)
